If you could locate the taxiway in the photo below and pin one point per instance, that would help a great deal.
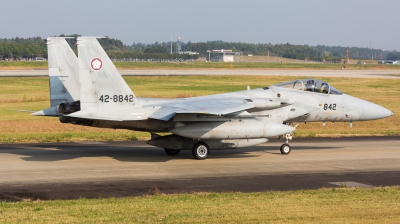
(390, 74)
(118, 169)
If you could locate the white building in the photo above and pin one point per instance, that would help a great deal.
(223, 55)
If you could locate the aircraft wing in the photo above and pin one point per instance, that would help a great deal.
(166, 112)
(201, 106)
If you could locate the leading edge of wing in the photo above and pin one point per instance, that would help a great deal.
(217, 108)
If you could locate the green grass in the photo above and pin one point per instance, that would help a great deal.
(337, 205)
(32, 93)
(72, 136)
(4, 65)
(206, 65)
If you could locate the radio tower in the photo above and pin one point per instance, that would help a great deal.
(347, 58)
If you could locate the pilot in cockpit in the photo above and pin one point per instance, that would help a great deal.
(317, 87)
(324, 88)
(310, 85)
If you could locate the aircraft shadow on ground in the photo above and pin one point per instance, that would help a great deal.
(126, 153)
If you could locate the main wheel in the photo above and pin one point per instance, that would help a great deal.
(285, 149)
(200, 150)
(172, 152)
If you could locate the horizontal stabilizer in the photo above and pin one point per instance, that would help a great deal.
(21, 110)
(51, 111)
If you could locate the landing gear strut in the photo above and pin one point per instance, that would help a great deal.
(285, 148)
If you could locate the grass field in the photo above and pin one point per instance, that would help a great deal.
(16, 65)
(337, 205)
(32, 93)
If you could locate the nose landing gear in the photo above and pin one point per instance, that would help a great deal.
(285, 148)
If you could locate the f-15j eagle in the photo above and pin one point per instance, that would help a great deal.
(88, 90)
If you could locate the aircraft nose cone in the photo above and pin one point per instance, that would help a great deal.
(373, 111)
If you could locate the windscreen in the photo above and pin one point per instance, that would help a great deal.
(310, 85)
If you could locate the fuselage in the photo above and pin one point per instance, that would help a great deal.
(303, 106)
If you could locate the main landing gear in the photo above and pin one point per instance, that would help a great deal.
(200, 151)
(172, 152)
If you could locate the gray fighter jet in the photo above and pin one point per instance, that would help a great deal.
(89, 90)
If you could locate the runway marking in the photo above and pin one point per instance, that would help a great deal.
(351, 184)
(91, 143)
(8, 196)
(39, 148)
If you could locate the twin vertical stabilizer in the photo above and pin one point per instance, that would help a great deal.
(63, 71)
(88, 86)
(63, 76)
(101, 84)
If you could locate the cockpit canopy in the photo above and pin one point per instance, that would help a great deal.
(311, 85)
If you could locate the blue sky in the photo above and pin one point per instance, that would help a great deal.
(334, 23)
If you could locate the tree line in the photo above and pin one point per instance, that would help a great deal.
(394, 56)
(28, 48)
(301, 52)
(22, 48)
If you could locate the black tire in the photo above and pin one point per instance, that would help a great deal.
(172, 152)
(286, 149)
(200, 150)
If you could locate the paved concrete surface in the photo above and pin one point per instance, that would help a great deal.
(393, 74)
(118, 169)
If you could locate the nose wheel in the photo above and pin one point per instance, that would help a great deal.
(286, 149)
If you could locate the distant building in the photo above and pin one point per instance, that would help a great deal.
(39, 59)
(388, 62)
(247, 53)
(179, 48)
(187, 52)
(224, 55)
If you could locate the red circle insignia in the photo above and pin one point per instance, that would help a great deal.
(96, 64)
